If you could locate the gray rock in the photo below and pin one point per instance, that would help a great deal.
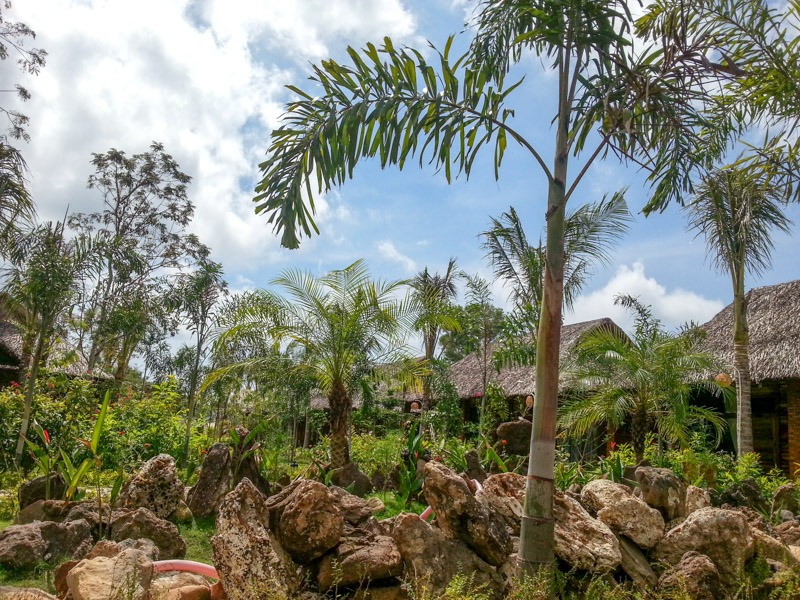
(635, 564)
(349, 477)
(360, 559)
(126, 575)
(14, 593)
(786, 498)
(25, 546)
(789, 532)
(582, 541)
(696, 576)
(213, 482)
(696, 498)
(662, 489)
(504, 495)
(36, 489)
(155, 487)
(474, 469)
(142, 523)
(517, 435)
(745, 493)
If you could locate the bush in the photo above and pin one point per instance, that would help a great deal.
(373, 454)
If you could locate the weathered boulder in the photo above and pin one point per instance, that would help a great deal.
(722, 535)
(110, 549)
(434, 559)
(461, 516)
(474, 469)
(25, 546)
(36, 489)
(179, 586)
(786, 497)
(517, 436)
(182, 515)
(305, 519)
(213, 482)
(615, 505)
(155, 487)
(356, 511)
(745, 493)
(142, 523)
(635, 564)
(14, 593)
(582, 541)
(789, 533)
(662, 489)
(358, 560)
(696, 576)
(696, 498)
(126, 575)
(770, 548)
(244, 556)
(504, 494)
(349, 477)
(45, 510)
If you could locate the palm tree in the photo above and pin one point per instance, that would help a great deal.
(736, 213)
(344, 322)
(16, 206)
(434, 294)
(645, 381)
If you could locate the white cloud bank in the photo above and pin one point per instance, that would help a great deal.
(672, 307)
(388, 251)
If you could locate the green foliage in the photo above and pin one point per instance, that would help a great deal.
(445, 419)
(377, 455)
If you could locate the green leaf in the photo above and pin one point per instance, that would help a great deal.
(98, 426)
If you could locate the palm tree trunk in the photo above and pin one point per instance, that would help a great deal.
(741, 362)
(639, 432)
(538, 527)
(341, 407)
(29, 391)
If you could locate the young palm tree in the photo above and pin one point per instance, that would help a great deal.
(434, 294)
(16, 206)
(645, 381)
(736, 213)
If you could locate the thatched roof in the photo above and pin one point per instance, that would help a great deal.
(773, 317)
(467, 374)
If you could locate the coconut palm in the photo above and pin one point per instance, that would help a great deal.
(736, 213)
(434, 294)
(645, 381)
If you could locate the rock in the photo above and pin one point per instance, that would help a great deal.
(696, 498)
(155, 487)
(635, 564)
(789, 533)
(45, 510)
(378, 481)
(179, 586)
(306, 519)
(722, 535)
(786, 515)
(35, 489)
(745, 493)
(786, 498)
(769, 548)
(244, 555)
(581, 541)
(182, 515)
(517, 435)
(695, 576)
(474, 469)
(394, 592)
(349, 477)
(461, 516)
(355, 510)
(246, 462)
(126, 575)
(504, 494)
(142, 523)
(754, 519)
(60, 577)
(359, 560)
(14, 593)
(213, 482)
(25, 546)
(110, 549)
(434, 559)
(615, 505)
(662, 489)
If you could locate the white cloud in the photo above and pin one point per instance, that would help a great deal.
(390, 252)
(672, 307)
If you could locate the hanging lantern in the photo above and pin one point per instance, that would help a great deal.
(415, 406)
(723, 379)
(529, 401)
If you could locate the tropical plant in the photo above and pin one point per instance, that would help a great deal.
(392, 104)
(645, 381)
(17, 208)
(736, 213)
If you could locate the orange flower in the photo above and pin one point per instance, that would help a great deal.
(504, 442)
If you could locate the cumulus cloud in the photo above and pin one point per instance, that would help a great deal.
(389, 251)
(672, 307)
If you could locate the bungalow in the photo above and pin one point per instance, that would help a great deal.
(774, 368)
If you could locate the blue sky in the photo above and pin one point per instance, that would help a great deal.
(207, 79)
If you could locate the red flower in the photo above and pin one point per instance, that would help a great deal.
(202, 451)
(51, 385)
(147, 445)
(46, 436)
(504, 442)
(122, 433)
(612, 445)
(14, 384)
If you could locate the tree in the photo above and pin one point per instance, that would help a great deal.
(17, 208)
(392, 104)
(195, 296)
(736, 213)
(435, 294)
(41, 284)
(645, 381)
(344, 322)
(473, 319)
(145, 213)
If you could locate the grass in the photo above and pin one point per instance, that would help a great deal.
(394, 506)
(198, 539)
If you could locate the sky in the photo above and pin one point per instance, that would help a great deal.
(207, 79)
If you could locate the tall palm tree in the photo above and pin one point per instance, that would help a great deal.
(736, 212)
(16, 206)
(344, 322)
(645, 381)
(434, 294)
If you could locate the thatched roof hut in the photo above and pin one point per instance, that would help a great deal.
(467, 374)
(774, 323)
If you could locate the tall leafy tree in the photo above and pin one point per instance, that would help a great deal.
(645, 381)
(435, 294)
(41, 284)
(145, 213)
(394, 104)
(476, 320)
(196, 297)
(736, 213)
